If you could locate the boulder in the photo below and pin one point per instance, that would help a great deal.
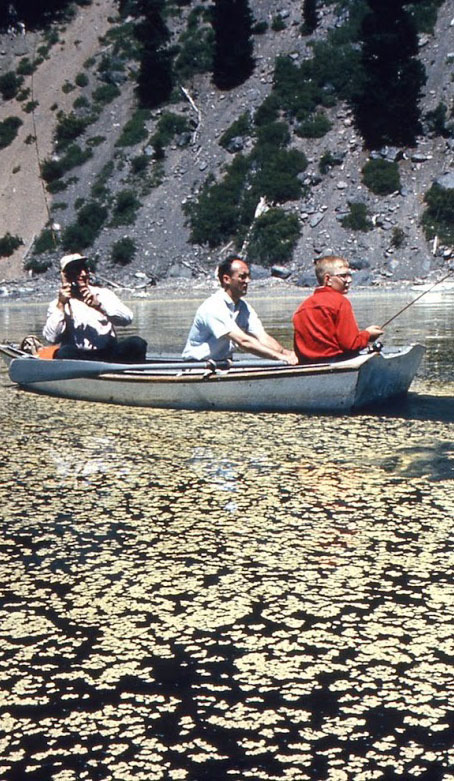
(446, 180)
(259, 272)
(280, 271)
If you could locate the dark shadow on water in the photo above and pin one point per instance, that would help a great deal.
(415, 406)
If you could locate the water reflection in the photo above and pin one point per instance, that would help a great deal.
(214, 596)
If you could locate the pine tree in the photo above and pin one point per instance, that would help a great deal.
(386, 104)
(233, 60)
(310, 19)
(32, 14)
(155, 79)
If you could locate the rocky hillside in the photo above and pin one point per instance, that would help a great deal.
(159, 230)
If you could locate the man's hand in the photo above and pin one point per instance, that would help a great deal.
(64, 294)
(375, 331)
(88, 297)
(290, 357)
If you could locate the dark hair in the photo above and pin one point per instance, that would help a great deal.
(225, 267)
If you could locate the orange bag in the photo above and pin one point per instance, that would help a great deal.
(48, 352)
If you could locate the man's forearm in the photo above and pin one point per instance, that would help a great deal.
(250, 344)
(271, 342)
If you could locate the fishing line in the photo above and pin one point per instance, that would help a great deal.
(407, 306)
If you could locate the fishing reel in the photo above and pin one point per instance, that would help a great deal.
(375, 347)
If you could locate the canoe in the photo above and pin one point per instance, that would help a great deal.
(249, 386)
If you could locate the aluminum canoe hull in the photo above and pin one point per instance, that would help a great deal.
(337, 387)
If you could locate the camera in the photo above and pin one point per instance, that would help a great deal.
(74, 289)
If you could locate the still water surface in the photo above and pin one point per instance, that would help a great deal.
(214, 596)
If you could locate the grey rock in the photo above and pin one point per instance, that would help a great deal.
(359, 264)
(446, 180)
(259, 272)
(304, 279)
(280, 271)
(362, 277)
(179, 272)
(420, 157)
(235, 144)
(318, 217)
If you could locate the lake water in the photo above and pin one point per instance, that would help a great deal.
(225, 596)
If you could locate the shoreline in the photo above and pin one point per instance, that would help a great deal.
(36, 289)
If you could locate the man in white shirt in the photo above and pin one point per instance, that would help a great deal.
(83, 319)
(224, 321)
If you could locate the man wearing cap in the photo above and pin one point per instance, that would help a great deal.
(83, 318)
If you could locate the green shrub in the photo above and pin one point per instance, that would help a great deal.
(438, 218)
(57, 186)
(278, 24)
(315, 126)
(99, 189)
(358, 219)
(25, 67)
(215, 217)
(398, 238)
(81, 79)
(273, 237)
(436, 120)
(122, 39)
(45, 242)
(328, 161)
(139, 164)
(82, 233)
(260, 27)
(37, 265)
(8, 130)
(274, 134)
(125, 208)
(240, 127)
(30, 106)
(67, 87)
(195, 54)
(123, 251)
(381, 176)
(95, 141)
(75, 156)
(268, 111)
(9, 244)
(51, 170)
(134, 131)
(69, 128)
(81, 102)
(9, 85)
(425, 14)
(23, 95)
(168, 127)
(277, 177)
(106, 93)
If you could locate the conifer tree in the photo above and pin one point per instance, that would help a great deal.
(31, 13)
(310, 19)
(385, 105)
(233, 60)
(155, 79)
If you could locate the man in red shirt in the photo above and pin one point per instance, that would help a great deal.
(325, 326)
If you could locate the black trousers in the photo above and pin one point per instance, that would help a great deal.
(130, 350)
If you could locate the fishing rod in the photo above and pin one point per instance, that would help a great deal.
(407, 306)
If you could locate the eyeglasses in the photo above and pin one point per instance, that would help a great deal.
(346, 275)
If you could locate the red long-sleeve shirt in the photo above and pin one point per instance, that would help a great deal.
(325, 326)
